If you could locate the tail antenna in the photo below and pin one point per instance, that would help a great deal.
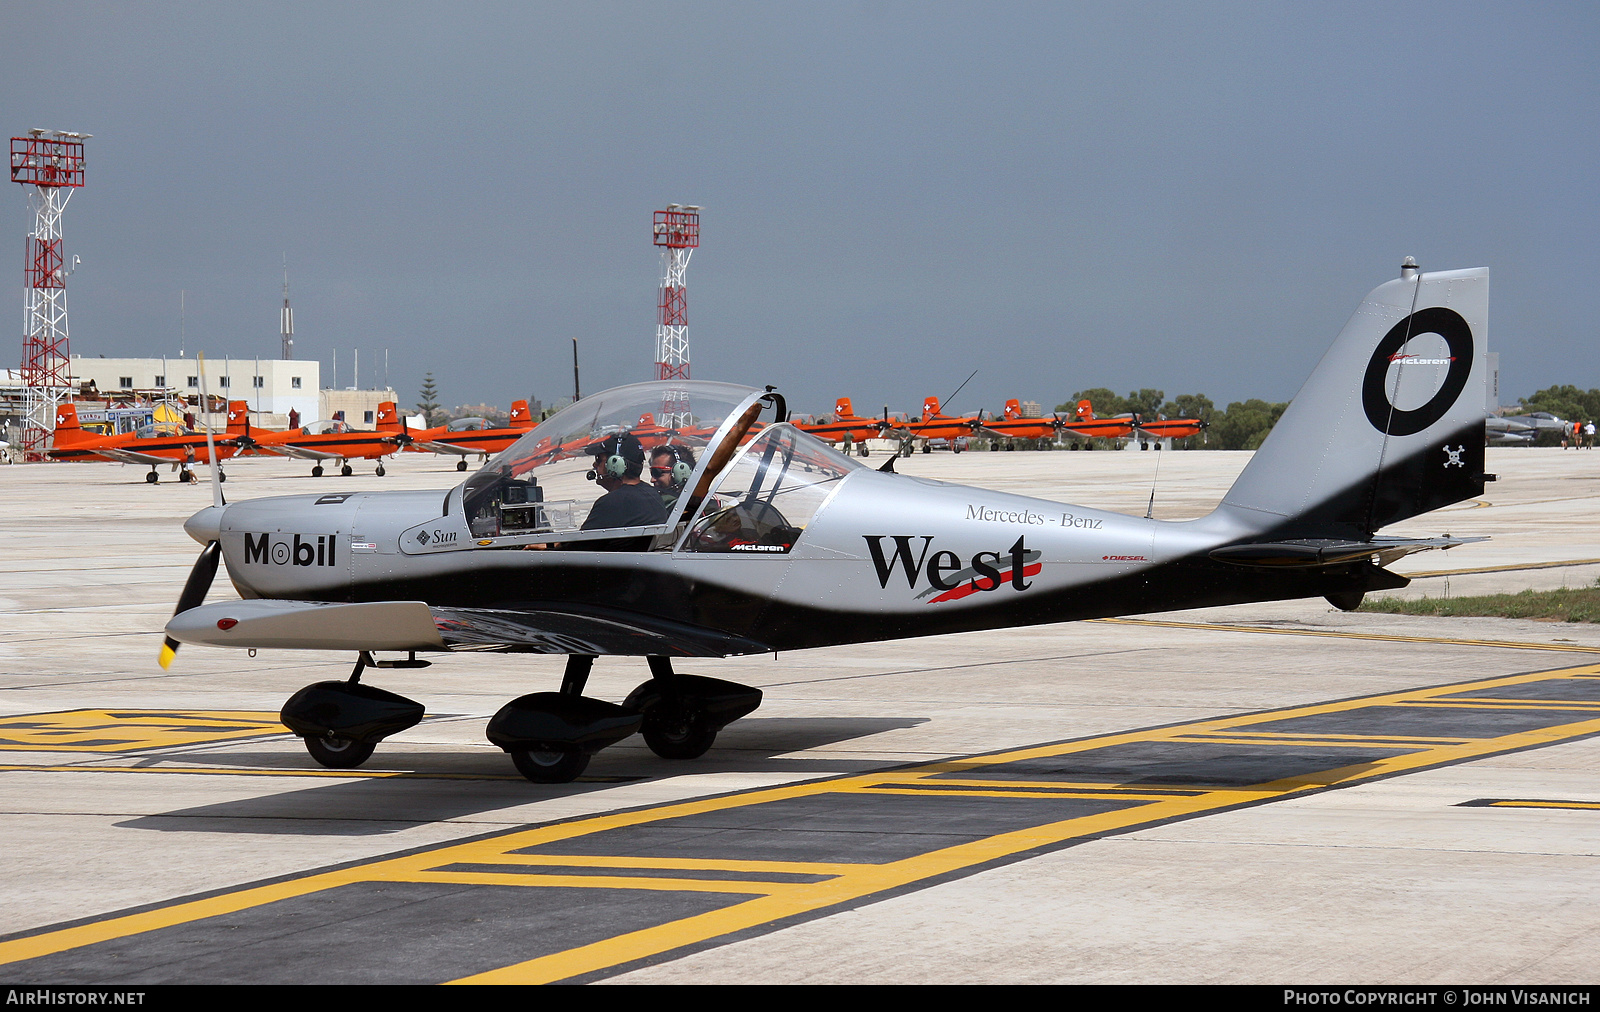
(1408, 269)
(1149, 511)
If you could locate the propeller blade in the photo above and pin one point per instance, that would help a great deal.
(194, 593)
(211, 454)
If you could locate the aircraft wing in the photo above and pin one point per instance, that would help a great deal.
(303, 452)
(134, 457)
(413, 625)
(434, 446)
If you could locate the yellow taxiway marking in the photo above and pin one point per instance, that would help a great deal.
(1343, 634)
(755, 903)
(1543, 804)
(113, 730)
(242, 771)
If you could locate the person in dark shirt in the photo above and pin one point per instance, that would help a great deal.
(628, 502)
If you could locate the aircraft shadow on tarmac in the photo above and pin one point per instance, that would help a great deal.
(437, 786)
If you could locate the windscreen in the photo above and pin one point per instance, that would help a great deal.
(551, 480)
(766, 498)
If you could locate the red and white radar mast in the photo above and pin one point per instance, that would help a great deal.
(677, 232)
(50, 161)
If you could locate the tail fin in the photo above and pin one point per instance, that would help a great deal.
(843, 409)
(1390, 424)
(930, 407)
(238, 418)
(388, 417)
(1013, 408)
(68, 430)
(1085, 411)
(520, 414)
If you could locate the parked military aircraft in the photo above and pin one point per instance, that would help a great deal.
(329, 440)
(73, 442)
(847, 425)
(1084, 423)
(779, 542)
(932, 424)
(464, 437)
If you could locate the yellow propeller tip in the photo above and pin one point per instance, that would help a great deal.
(168, 652)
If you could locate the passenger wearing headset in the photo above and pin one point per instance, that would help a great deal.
(670, 467)
(628, 502)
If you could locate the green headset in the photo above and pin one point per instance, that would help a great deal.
(616, 465)
(682, 463)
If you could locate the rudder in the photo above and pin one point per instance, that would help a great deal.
(1391, 423)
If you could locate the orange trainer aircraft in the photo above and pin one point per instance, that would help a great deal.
(1171, 428)
(933, 424)
(73, 442)
(464, 436)
(846, 424)
(332, 440)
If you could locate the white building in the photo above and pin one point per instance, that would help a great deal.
(271, 386)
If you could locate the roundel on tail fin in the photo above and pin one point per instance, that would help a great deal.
(1384, 415)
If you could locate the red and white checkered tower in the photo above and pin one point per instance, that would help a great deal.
(677, 232)
(50, 161)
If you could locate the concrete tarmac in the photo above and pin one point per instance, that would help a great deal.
(1257, 794)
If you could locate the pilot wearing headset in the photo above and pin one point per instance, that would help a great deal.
(670, 468)
(628, 502)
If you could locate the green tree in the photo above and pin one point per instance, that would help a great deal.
(1244, 426)
(1566, 401)
(428, 407)
(1105, 403)
(1145, 402)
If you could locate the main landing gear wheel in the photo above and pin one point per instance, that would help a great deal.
(186, 475)
(380, 470)
(347, 470)
(152, 477)
(316, 472)
(339, 753)
(461, 465)
(550, 767)
(222, 476)
(677, 733)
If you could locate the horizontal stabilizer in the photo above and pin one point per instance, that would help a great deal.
(1306, 553)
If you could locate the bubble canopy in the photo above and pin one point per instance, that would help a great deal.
(665, 443)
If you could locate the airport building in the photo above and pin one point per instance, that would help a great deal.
(272, 387)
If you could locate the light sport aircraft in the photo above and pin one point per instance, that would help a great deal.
(73, 442)
(778, 542)
(464, 437)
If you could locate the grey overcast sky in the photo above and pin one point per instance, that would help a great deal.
(1187, 196)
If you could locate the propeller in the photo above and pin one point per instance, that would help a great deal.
(194, 593)
(205, 567)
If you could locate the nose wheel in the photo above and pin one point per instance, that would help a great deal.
(380, 470)
(347, 470)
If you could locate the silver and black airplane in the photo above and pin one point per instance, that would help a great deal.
(742, 534)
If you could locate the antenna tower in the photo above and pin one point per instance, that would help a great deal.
(677, 232)
(50, 161)
(286, 318)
